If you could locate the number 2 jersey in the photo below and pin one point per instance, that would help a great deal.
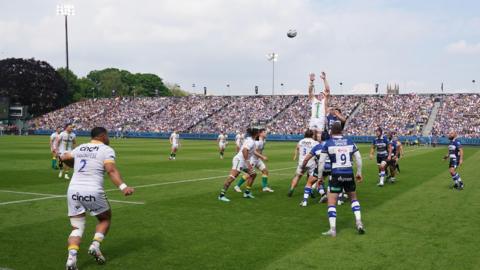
(89, 169)
(340, 150)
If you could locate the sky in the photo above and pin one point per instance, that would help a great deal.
(212, 43)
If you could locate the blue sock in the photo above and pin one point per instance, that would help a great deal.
(306, 193)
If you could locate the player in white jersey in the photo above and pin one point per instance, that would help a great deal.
(318, 104)
(257, 161)
(86, 192)
(241, 163)
(317, 180)
(239, 138)
(222, 143)
(53, 139)
(65, 142)
(304, 147)
(175, 143)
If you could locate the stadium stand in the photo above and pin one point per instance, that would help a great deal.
(406, 114)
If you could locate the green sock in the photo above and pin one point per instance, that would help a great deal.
(54, 161)
(240, 182)
(264, 181)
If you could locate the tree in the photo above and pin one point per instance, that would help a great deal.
(34, 83)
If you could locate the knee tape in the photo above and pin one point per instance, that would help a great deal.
(79, 224)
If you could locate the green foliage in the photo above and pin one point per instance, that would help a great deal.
(34, 83)
(101, 83)
(417, 223)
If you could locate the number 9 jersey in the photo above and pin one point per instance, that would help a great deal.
(340, 150)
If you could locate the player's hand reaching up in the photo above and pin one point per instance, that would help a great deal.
(312, 77)
(128, 191)
(323, 76)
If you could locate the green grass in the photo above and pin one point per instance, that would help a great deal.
(417, 223)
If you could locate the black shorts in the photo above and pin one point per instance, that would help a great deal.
(392, 162)
(380, 159)
(324, 173)
(341, 182)
(453, 163)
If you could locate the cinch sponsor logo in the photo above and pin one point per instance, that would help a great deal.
(89, 149)
(81, 198)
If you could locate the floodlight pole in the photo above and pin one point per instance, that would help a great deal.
(273, 57)
(65, 10)
(273, 77)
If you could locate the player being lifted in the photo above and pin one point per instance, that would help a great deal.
(455, 154)
(341, 152)
(65, 141)
(318, 104)
(53, 139)
(241, 163)
(239, 139)
(86, 192)
(175, 143)
(317, 178)
(394, 149)
(380, 143)
(304, 146)
(222, 143)
(257, 161)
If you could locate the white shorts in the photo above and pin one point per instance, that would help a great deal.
(175, 146)
(317, 124)
(222, 145)
(308, 169)
(79, 202)
(259, 164)
(240, 166)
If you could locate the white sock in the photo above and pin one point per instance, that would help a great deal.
(332, 216)
(97, 239)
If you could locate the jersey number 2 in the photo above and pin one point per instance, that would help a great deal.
(84, 163)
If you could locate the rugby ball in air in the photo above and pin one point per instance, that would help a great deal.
(292, 33)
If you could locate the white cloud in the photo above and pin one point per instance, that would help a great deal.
(214, 42)
(463, 47)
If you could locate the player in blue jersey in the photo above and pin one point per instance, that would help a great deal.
(341, 152)
(334, 115)
(380, 143)
(394, 148)
(455, 154)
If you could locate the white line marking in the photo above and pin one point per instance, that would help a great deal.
(30, 200)
(190, 180)
(53, 196)
(29, 193)
(50, 196)
(127, 202)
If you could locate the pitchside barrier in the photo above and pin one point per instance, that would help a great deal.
(271, 137)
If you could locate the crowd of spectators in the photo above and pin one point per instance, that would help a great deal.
(242, 111)
(296, 118)
(459, 112)
(405, 114)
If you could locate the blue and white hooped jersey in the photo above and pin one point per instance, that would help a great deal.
(331, 119)
(381, 145)
(340, 150)
(454, 149)
(394, 145)
(316, 151)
